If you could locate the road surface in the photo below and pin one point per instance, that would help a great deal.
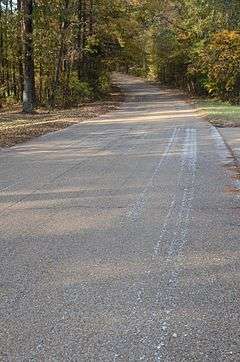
(120, 239)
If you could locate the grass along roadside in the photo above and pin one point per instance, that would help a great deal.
(220, 114)
(16, 127)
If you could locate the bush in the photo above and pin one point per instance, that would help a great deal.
(220, 62)
(79, 90)
(104, 83)
(73, 93)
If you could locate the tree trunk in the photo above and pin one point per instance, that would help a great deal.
(91, 20)
(29, 98)
(80, 37)
(19, 56)
(2, 80)
(84, 38)
(62, 50)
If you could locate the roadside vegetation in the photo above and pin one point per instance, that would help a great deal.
(219, 113)
(59, 54)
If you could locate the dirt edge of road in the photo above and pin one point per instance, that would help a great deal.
(16, 127)
(233, 164)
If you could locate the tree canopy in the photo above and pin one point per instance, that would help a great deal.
(61, 51)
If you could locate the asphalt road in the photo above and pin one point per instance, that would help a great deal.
(120, 239)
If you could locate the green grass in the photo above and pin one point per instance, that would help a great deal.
(221, 114)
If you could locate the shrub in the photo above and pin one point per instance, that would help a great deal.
(79, 90)
(104, 82)
(73, 93)
(220, 62)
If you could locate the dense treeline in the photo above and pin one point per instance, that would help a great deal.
(194, 44)
(58, 52)
(198, 47)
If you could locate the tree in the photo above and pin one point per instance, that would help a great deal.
(62, 48)
(66, 49)
(220, 60)
(29, 96)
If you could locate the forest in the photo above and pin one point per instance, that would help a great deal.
(60, 52)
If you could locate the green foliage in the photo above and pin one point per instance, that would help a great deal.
(104, 83)
(76, 44)
(194, 44)
(79, 90)
(74, 92)
(220, 113)
(221, 59)
(188, 43)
